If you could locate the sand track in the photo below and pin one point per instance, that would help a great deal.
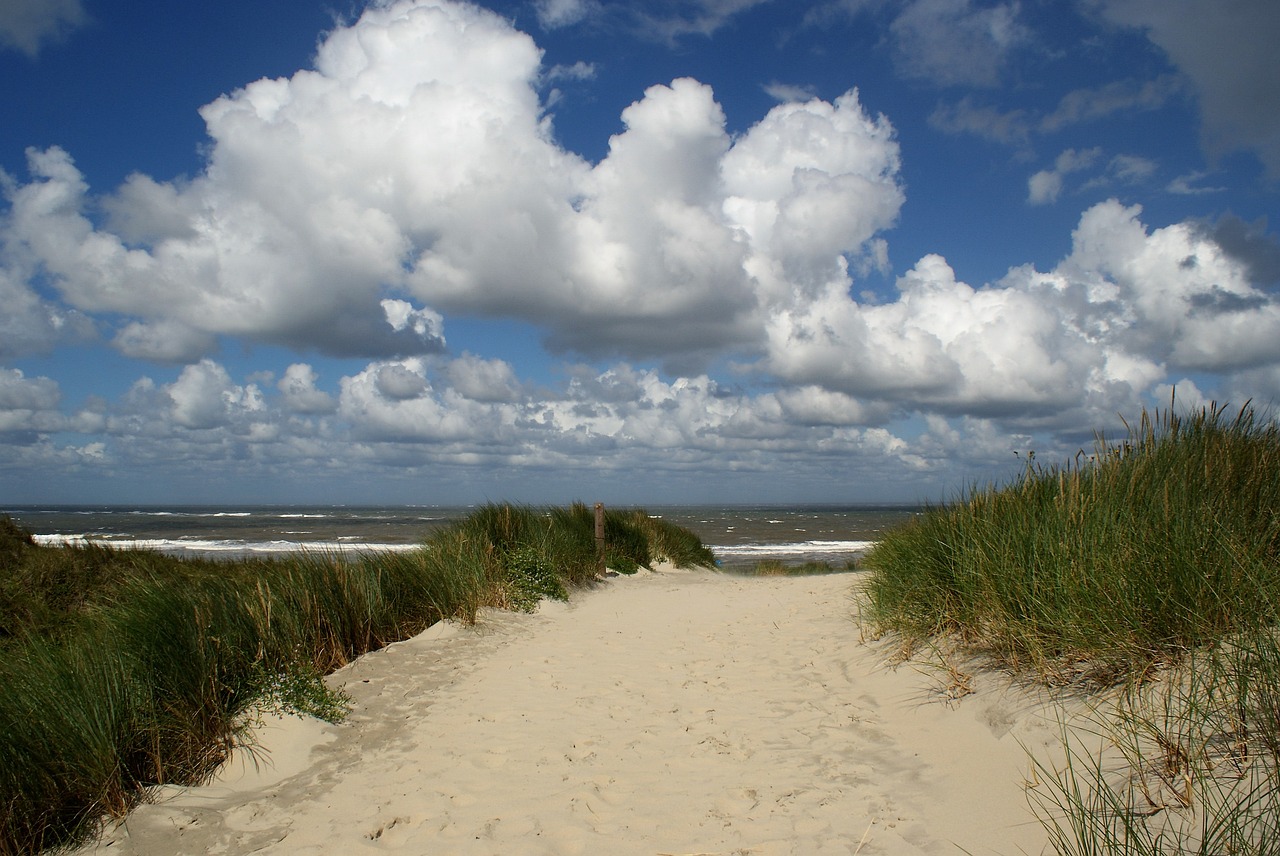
(669, 713)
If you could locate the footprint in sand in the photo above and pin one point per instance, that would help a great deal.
(392, 833)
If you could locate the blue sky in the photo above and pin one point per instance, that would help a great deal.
(683, 251)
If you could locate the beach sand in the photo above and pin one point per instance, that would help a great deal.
(674, 712)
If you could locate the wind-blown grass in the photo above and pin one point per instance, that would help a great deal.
(1188, 764)
(128, 669)
(1144, 550)
(1153, 565)
(779, 568)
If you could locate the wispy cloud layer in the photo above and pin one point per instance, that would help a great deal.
(28, 25)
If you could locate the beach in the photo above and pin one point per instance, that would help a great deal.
(672, 712)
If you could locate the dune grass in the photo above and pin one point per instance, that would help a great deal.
(1152, 565)
(1187, 764)
(812, 567)
(1139, 552)
(123, 670)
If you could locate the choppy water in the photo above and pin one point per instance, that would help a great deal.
(739, 535)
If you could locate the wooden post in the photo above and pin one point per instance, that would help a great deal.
(600, 538)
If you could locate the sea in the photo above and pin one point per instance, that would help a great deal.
(739, 535)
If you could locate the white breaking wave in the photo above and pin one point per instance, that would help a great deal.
(793, 548)
(206, 546)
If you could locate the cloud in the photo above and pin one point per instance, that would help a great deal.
(942, 345)
(807, 185)
(642, 263)
(31, 325)
(984, 369)
(28, 25)
(658, 20)
(18, 392)
(1018, 126)
(1011, 127)
(1093, 103)
(1044, 186)
(394, 402)
(1189, 185)
(413, 172)
(484, 380)
(1122, 170)
(299, 392)
(578, 71)
(813, 405)
(256, 275)
(1227, 50)
(954, 43)
(1130, 168)
(204, 396)
(28, 408)
(1180, 297)
(401, 381)
(554, 14)
(1251, 245)
(784, 92)
(164, 341)
(668, 20)
(1082, 341)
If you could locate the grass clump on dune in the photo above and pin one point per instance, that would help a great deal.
(128, 669)
(1153, 565)
(1165, 542)
(779, 568)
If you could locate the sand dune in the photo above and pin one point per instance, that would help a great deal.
(668, 713)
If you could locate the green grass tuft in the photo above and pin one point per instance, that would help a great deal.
(779, 568)
(1137, 553)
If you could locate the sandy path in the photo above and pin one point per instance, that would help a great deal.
(669, 713)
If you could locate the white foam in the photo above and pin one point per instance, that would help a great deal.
(226, 547)
(792, 548)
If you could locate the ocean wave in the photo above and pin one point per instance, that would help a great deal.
(198, 546)
(793, 548)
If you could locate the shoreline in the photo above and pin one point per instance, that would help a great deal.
(740, 535)
(674, 711)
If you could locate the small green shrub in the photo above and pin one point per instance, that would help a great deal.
(622, 564)
(297, 688)
(530, 579)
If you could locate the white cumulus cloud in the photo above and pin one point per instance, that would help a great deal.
(1084, 340)
(204, 396)
(300, 395)
(412, 174)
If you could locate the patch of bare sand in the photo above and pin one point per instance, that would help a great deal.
(668, 713)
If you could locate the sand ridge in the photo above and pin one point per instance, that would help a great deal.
(675, 712)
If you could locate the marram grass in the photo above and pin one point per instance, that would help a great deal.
(1151, 566)
(128, 669)
(779, 568)
(1144, 550)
